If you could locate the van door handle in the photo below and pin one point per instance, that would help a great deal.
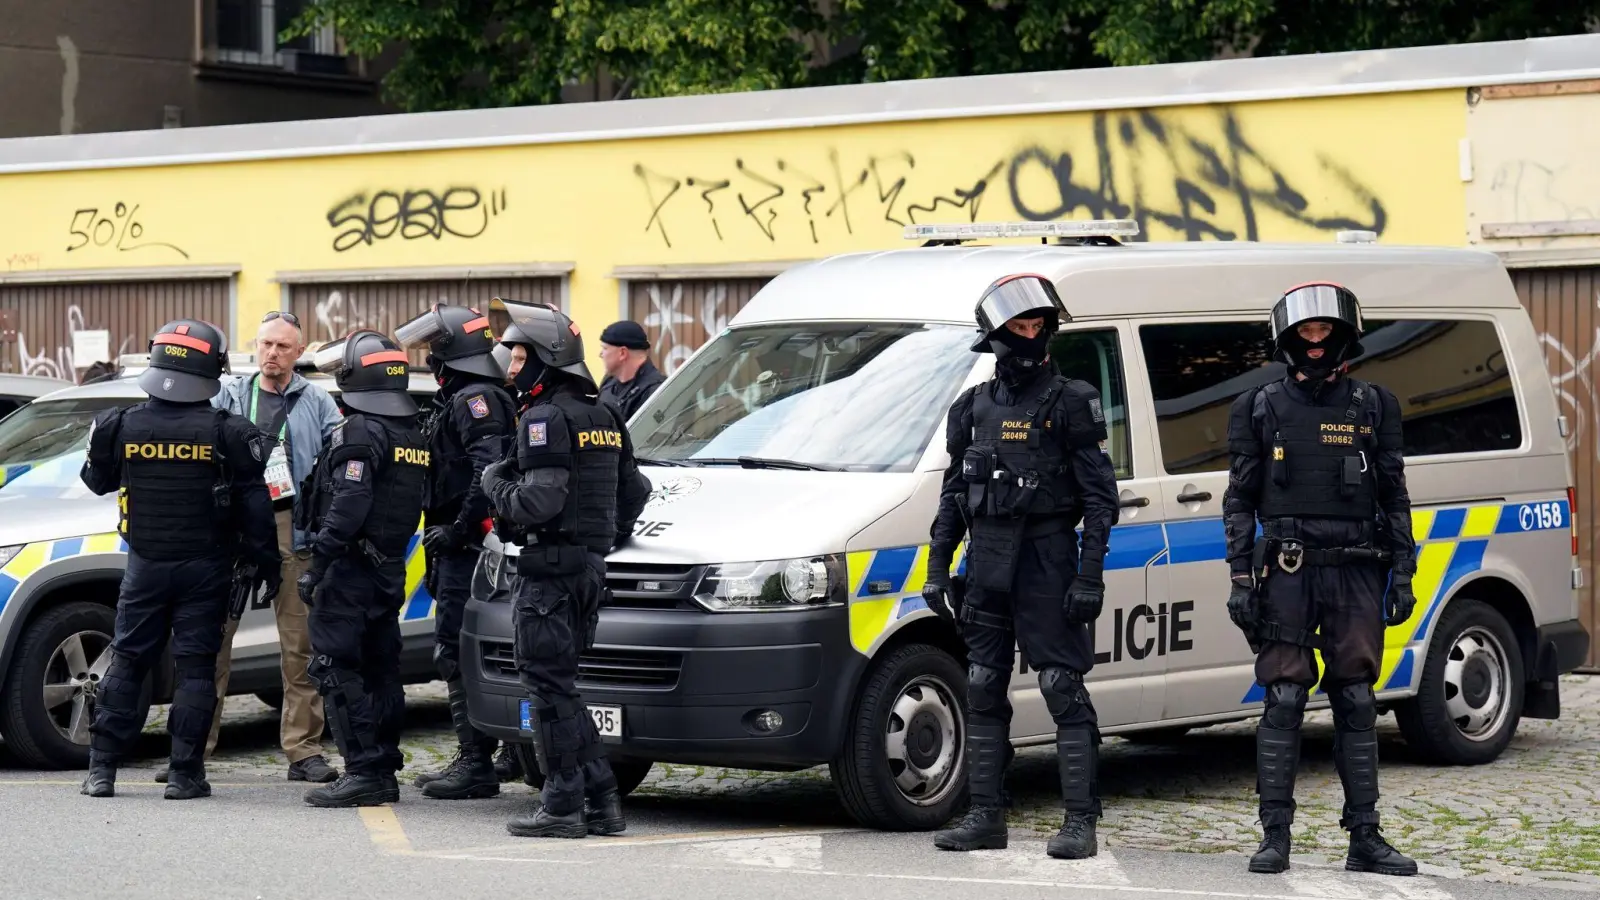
(1126, 502)
(1196, 497)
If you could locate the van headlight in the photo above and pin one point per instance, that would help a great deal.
(773, 585)
(6, 553)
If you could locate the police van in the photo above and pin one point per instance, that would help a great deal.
(768, 612)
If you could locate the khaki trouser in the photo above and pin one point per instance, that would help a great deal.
(301, 727)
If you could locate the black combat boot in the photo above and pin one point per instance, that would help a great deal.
(984, 825)
(1078, 759)
(391, 787)
(470, 777)
(543, 824)
(982, 828)
(353, 790)
(102, 780)
(603, 814)
(185, 786)
(1369, 852)
(1076, 839)
(507, 765)
(1272, 856)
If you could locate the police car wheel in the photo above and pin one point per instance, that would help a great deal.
(1469, 700)
(902, 768)
(630, 772)
(50, 690)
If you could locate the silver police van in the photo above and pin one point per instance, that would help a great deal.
(768, 615)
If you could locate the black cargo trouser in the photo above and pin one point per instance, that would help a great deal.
(552, 626)
(1032, 615)
(355, 660)
(187, 599)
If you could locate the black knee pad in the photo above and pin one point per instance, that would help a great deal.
(1354, 707)
(986, 689)
(1286, 706)
(1064, 695)
(121, 682)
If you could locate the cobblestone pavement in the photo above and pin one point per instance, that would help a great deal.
(1533, 816)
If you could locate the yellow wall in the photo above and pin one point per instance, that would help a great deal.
(1282, 170)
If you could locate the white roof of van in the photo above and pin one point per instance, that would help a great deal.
(942, 284)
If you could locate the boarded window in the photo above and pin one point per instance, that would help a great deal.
(680, 316)
(38, 320)
(1562, 304)
(332, 310)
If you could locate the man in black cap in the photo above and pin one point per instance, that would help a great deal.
(193, 497)
(362, 509)
(630, 375)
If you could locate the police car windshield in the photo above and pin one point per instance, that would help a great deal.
(45, 429)
(859, 397)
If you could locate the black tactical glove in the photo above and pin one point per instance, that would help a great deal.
(270, 578)
(936, 589)
(623, 539)
(1243, 604)
(307, 584)
(444, 538)
(1085, 597)
(1399, 601)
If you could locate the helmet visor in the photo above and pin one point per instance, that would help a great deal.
(539, 325)
(1020, 295)
(1328, 302)
(424, 329)
(329, 358)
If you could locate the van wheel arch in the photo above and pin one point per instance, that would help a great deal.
(1474, 650)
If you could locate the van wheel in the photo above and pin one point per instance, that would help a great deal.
(630, 772)
(50, 690)
(272, 697)
(1470, 698)
(903, 766)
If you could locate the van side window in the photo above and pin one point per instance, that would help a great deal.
(1455, 393)
(1096, 357)
(1196, 371)
(1451, 378)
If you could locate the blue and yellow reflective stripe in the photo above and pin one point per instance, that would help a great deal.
(10, 473)
(419, 603)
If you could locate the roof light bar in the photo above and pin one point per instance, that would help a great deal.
(1079, 228)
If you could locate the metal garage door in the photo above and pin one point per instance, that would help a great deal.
(1562, 304)
(681, 315)
(332, 310)
(37, 321)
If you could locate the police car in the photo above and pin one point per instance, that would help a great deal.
(768, 613)
(61, 562)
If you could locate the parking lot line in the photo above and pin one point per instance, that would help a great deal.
(383, 826)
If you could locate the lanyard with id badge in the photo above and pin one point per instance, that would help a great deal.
(280, 480)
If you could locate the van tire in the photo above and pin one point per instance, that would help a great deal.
(31, 734)
(1477, 638)
(920, 677)
(272, 697)
(630, 772)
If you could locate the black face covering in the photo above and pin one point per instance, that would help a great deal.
(531, 372)
(1017, 358)
(1335, 348)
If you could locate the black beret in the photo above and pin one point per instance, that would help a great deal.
(625, 334)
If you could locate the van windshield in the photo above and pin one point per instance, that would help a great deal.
(859, 396)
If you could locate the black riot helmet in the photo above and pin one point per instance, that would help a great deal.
(1317, 301)
(1027, 296)
(458, 339)
(554, 343)
(371, 372)
(187, 359)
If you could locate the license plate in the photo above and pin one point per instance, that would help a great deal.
(607, 719)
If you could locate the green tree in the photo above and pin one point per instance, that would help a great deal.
(454, 54)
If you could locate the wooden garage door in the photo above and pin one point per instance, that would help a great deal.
(37, 321)
(1562, 305)
(679, 316)
(332, 310)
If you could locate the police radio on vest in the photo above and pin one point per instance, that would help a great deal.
(1082, 228)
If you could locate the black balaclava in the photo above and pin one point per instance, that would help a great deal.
(527, 380)
(1018, 359)
(1335, 347)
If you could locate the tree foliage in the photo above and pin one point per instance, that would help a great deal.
(459, 54)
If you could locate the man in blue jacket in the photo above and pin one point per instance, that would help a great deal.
(298, 416)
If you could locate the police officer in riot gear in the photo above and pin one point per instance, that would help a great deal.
(469, 428)
(572, 491)
(363, 502)
(1026, 466)
(186, 473)
(1318, 463)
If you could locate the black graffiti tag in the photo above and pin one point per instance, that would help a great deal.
(459, 212)
(120, 230)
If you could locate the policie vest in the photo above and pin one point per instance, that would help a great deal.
(398, 480)
(1016, 464)
(590, 515)
(1321, 458)
(175, 486)
(451, 476)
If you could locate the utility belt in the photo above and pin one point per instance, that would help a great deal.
(1281, 542)
(546, 560)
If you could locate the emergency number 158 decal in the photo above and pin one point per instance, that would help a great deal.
(1540, 515)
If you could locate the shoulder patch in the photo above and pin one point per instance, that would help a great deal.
(353, 470)
(538, 434)
(1095, 410)
(337, 438)
(478, 406)
(255, 448)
